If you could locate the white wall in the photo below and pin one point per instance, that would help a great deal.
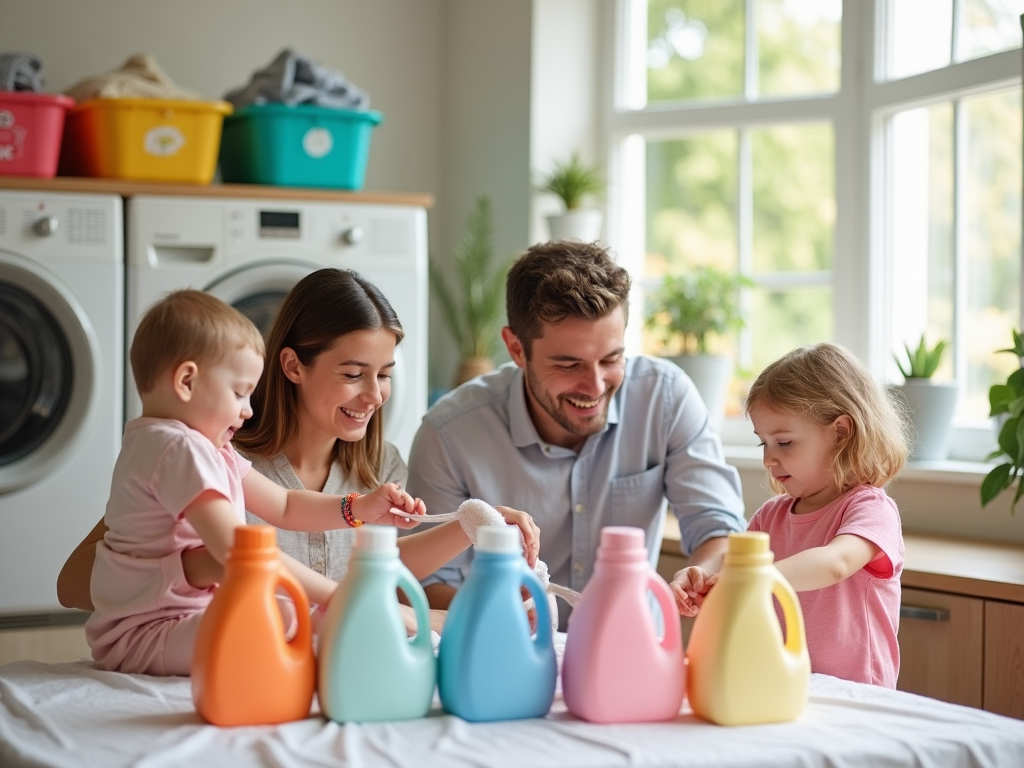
(485, 141)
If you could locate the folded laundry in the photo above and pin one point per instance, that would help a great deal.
(140, 77)
(293, 79)
(20, 72)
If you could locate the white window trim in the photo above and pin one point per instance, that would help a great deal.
(857, 112)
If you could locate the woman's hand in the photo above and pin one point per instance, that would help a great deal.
(529, 529)
(385, 506)
(689, 587)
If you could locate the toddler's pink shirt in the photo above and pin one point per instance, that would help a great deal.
(852, 625)
(137, 580)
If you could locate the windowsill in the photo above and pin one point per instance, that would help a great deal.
(745, 457)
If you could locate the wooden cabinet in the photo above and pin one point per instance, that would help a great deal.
(1004, 658)
(941, 646)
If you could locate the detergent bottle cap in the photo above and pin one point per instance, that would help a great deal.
(498, 539)
(251, 537)
(622, 542)
(376, 538)
(748, 548)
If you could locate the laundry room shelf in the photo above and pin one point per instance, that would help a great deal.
(244, 191)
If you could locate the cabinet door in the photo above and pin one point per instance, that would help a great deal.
(941, 646)
(1004, 658)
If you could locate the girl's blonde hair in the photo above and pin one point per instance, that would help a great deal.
(824, 382)
(187, 325)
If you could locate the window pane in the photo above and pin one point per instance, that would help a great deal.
(695, 49)
(794, 198)
(922, 230)
(988, 26)
(921, 36)
(789, 319)
(691, 203)
(992, 242)
(798, 46)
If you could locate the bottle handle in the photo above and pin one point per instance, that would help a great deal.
(795, 638)
(669, 612)
(414, 591)
(540, 601)
(304, 635)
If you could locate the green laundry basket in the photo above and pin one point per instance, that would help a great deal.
(301, 146)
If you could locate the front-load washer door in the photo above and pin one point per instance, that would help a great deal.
(47, 372)
(258, 289)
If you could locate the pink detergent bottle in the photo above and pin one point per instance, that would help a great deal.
(615, 668)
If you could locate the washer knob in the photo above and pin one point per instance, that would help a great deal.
(352, 235)
(46, 226)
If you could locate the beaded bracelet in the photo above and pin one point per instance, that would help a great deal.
(346, 510)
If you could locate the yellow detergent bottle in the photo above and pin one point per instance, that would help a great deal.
(740, 671)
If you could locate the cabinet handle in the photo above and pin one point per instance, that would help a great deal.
(924, 614)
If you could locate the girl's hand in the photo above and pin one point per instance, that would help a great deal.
(689, 587)
(529, 529)
(385, 506)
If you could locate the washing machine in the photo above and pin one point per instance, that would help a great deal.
(61, 386)
(250, 253)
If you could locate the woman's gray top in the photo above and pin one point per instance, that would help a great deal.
(326, 552)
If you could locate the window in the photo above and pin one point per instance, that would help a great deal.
(859, 162)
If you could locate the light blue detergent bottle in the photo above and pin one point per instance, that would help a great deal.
(369, 669)
(489, 666)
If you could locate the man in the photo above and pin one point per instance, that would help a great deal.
(573, 432)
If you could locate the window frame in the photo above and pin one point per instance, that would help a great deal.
(859, 113)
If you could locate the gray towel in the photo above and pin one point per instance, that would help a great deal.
(292, 79)
(20, 72)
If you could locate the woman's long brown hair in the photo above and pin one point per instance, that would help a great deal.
(321, 308)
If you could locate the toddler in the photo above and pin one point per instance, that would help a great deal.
(832, 440)
(178, 485)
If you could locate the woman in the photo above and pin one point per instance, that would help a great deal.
(318, 424)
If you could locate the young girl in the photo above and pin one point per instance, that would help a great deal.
(178, 484)
(832, 440)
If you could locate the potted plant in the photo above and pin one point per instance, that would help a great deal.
(472, 308)
(1006, 403)
(689, 312)
(572, 182)
(930, 405)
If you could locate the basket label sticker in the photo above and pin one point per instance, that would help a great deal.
(163, 141)
(12, 137)
(317, 142)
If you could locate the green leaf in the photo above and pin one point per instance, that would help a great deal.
(999, 398)
(922, 362)
(995, 482)
(1016, 497)
(1008, 437)
(1016, 381)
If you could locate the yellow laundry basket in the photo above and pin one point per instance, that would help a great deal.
(143, 139)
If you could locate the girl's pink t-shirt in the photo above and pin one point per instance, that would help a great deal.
(851, 626)
(137, 578)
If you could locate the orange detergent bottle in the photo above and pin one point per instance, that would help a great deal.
(244, 672)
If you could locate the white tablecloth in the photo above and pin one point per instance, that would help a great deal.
(76, 716)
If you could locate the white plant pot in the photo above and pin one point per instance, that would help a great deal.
(711, 375)
(582, 225)
(930, 407)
